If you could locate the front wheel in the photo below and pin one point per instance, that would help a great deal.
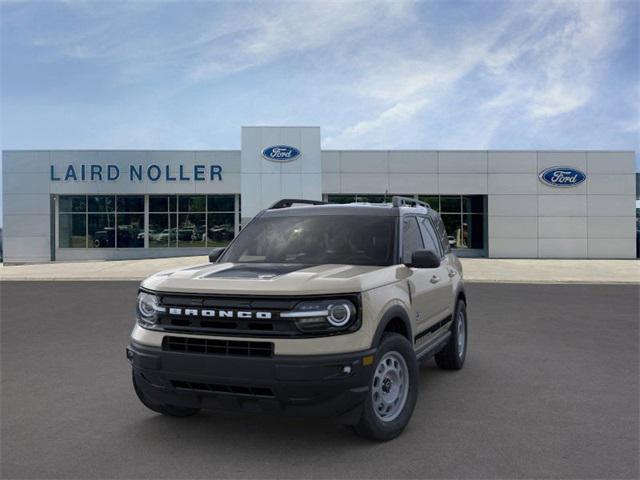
(452, 356)
(393, 390)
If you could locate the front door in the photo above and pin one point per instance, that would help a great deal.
(430, 287)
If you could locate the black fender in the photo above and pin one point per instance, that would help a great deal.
(461, 295)
(396, 311)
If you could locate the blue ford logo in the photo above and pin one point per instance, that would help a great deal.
(562, 177)
(281, 153)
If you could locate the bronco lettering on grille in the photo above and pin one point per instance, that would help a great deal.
(194, 312)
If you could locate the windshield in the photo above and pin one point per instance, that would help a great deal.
(316, 240)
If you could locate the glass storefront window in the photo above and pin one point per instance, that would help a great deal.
(196, 221)
(72, 230)
(159, 232)
(118, 221)
(432, 200)
(220, 203)
(158, 203)
(192, 203)
(452, 224)
(451, 204)
(192, 225)
(191, 230)
(372, 198)
(473, 204)
(219, 229)
(101, 230)
(104, 204)
(133, 204)
(361, 198)
(163, 230)
(464, 216)
(73, 203)
(130, 230)
(341, 198)
(473, 228)
(173, 229)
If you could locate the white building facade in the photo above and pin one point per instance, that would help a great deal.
(111, 204)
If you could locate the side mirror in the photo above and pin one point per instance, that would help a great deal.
(215, 254)
(424, 259)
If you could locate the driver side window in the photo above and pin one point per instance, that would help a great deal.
(411, 238)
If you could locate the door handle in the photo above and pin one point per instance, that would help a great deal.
(452, 273)
(435, 279)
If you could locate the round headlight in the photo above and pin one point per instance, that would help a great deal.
(148, 307)
(339, 314)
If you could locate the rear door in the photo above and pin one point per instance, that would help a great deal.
(428, 286)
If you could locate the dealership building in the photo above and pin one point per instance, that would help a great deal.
(120, 204)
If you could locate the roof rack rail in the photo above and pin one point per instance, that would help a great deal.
(289, 202)
(398, 201)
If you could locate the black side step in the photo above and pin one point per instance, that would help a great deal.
(434, 346)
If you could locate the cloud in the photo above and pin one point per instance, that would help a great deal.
(384, 74)
(551, 67)
(262, 37)
(539, 60)
(406, 87)
(400, 112)
(228, 38)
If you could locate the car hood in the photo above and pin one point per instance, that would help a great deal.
(272, 279)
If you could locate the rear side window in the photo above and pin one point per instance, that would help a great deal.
(431, 239)
(411, 238)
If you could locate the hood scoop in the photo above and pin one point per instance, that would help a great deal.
(257, 271)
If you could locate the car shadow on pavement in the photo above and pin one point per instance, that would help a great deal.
(209, 428)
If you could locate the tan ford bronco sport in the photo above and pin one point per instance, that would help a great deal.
(313, 309)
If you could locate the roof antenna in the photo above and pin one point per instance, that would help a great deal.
(386, 192)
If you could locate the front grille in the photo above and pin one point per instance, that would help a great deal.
(217, 347)
(263, 312)
(274, 326)
(229, 389)
(236, 326)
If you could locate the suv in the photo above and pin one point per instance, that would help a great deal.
(313, 309)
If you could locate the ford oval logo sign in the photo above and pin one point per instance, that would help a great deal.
(281, 153)
(562, 177)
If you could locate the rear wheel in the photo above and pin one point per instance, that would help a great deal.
(170, 410)
(452, 356)
(393, 390)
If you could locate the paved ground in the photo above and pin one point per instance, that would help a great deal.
(475, 269)
(550, 390)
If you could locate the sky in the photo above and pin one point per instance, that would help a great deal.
(374, 74)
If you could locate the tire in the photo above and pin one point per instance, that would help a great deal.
(169, 410)
(452, 356)
(395, 354)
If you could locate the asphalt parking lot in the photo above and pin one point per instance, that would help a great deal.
(550, 390)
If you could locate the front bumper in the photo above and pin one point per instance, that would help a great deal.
(314, 385)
